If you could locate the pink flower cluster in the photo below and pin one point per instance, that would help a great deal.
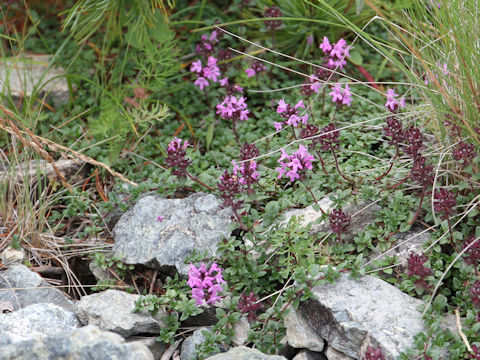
(392, 102)
(232, 108)
(256, 68)
(291, 114)
(246, 173)
(176, 158)
(202, 279)
(337, 52)
(290, 165)
(341, 96)
(209, 72)
(207, 43)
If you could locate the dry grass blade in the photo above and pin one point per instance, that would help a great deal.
(74, 154)
(33, 144)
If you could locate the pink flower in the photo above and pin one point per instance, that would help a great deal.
(282, 106)
(336, 94)
(325, 45)
(293, 166)
(224, 81)
(202, 279)
(196, 66)
(391, 103)
(347, 96)
(160, 218)
(277, 125)
(233, 108)
(250, 72)
(211, 62)
(201, 82)
(299, 104)
(211, 72)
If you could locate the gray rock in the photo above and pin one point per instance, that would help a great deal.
(362, 215)
(240, 331)
(189, 344)
(37, 320)
(87, 343)
(299, 334)
(157, 348)
(351, 313)
(23, 74)
(27, 287)
(244, 353)
(309, 214)
(72, 170)
(112, 310)
(333, 354)
(193, 223)
(11, 255)
(309, 355)
(100, 274)
(405, 243)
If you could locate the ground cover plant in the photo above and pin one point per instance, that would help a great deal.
(270, 106)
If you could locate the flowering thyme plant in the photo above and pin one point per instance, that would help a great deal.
(205, 284)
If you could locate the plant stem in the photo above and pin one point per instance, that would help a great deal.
(194, 178)
(321, 162)
(419, 207)
(338, 168)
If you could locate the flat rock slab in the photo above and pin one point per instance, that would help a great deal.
(87, 343)
(112, 310)
(352, 314)
(194, 223)
(245, 353)
(21, 75)
(27, 287)
(36, 320)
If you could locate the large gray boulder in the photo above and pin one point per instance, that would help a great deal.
(36, 320)
(87, 343)
(112, 310)
(244, 353)
(352, 314)
(194, 223)
(22, 287)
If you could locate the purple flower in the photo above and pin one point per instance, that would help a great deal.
(339, 222)
(472, 255)
(273, 12)
(201, 82)
(475, 293)
(196, 66)
(176, 157)
(341, 96)
(247, 172)
(337, 53)
(325, 45)
(445, 201)
(392, 102)
(291, 114)
(247, 304)
(295, 165)
(464, 151)
(200, 280)
(160, 218)
(224, 81)
(394, 131)
(250, 72)
(329, 140)
(229, 187)
(373, 354)
(233, 109)
(416, 268)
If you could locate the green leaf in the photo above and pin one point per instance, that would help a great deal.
(355, 57)
(209, 135)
